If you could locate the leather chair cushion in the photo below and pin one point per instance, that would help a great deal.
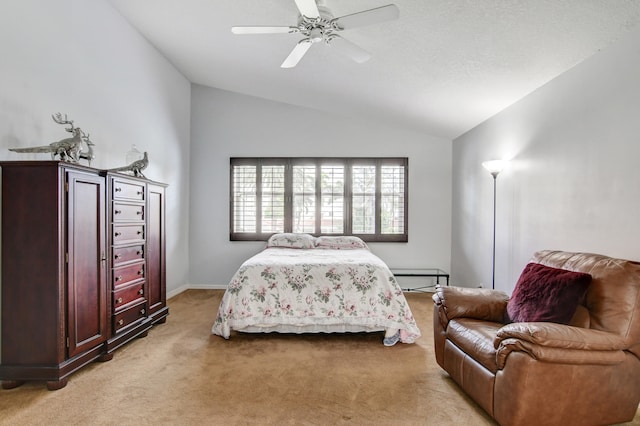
(613, 297)
(475, 338)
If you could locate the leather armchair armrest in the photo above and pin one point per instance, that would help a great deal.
(561, 336)
(558, 343)
(478, 303)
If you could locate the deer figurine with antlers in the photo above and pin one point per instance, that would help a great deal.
(68, 149)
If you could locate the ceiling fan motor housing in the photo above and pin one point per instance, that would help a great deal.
(318, 29)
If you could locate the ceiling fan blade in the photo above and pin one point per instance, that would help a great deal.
(349, 49)
(263, 30)
(368, 17)
(308, 8)
(296, 54)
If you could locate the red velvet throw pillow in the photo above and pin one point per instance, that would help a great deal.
(547, 294)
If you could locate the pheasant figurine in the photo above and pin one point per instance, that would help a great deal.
(68, 149)
(136, 167)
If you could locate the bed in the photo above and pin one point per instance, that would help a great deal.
(303, 284)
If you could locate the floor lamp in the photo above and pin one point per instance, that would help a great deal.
(494, 167)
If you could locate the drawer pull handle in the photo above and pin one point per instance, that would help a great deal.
(139, 232)
(117, 256)
(139, 212)
(118, 189)
(140, 272)
(119, 278)
(119, 300)
(142, 311)
(141, 292)
(117, 234)
(120, 322)
(139, 192)
(139, 252)
(117, 212)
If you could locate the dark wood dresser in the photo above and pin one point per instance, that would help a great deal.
(83, 267)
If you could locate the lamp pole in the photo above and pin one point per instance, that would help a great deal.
(493, 254)
(494, 167)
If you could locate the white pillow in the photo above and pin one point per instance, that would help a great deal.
(292, 240)
(342, 242)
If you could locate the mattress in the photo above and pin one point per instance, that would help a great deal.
(313, 290)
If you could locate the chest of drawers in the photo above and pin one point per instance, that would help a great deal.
(136, 244)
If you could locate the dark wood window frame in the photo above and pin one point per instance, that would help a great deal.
(347, 162)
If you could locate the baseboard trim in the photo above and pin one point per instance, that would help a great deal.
(186, 287)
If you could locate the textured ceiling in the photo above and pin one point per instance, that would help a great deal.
(443, 67)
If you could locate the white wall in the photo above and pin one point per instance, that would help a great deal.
(574, 181)
(226, 124)
(82, 58)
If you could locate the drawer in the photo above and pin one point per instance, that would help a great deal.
(127, 254)
(126, 190)
(128, 295)
(129, 316)
(127, 274)
(127, 233)
(123, 212)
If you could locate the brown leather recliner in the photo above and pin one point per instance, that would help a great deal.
(543, 373)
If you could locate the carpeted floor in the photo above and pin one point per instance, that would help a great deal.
(181, 375)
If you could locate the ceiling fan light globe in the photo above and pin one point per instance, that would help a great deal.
(316, 35)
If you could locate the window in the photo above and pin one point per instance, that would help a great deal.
(366, 197)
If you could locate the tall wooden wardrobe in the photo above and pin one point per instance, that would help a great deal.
(83, 267)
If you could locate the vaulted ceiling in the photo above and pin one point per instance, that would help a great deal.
(442, 67)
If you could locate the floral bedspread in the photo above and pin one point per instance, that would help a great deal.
(310, 287)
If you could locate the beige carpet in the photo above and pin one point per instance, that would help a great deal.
(181, 375)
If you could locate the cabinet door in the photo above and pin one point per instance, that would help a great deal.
(156, 268)
(86, 262)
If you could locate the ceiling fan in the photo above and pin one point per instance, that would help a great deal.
(317, 24)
